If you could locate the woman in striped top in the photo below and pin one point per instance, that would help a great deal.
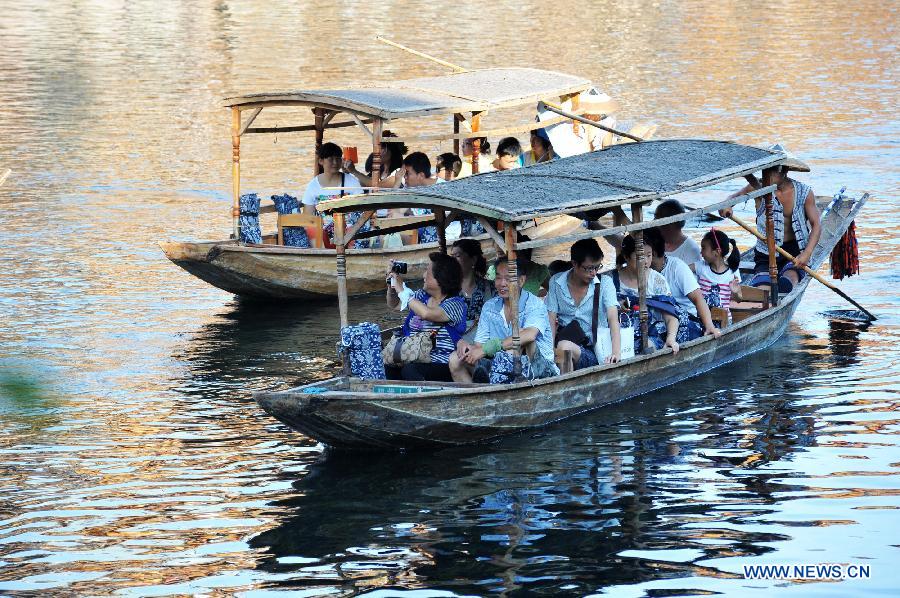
(716, 273)
(437, 307)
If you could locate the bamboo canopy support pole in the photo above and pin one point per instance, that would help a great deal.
(450, 65)
(320, 134)
(341, 256)
(377, 128)
(770, 243)
(637, 215)
(808, 270)
(476, 141)
(558, 109)
(236, 170)
(513, 299)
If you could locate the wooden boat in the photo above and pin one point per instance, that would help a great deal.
(270, 270)
(346, 412)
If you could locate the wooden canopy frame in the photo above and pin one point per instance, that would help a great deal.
(467, 95)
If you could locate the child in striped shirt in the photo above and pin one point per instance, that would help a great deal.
(716, 273)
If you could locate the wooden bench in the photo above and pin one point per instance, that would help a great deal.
(312, 224)
(754, 300)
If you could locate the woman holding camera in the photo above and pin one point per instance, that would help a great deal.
(437, 307)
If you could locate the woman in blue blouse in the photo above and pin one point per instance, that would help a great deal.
(438, 307)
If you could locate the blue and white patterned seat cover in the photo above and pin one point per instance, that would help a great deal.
(248, 220)
(294, 236)
(502, 368)
(363, 344)
(469, 227)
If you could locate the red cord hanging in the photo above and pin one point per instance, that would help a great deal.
(845, 255)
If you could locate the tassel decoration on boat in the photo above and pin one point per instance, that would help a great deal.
(845, 255)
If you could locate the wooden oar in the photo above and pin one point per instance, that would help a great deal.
(559, 110)
(811, 272)
(455, 67)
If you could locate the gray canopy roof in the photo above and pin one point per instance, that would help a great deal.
(620, 174)
(470, 91)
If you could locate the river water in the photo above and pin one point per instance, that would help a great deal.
(133, 460)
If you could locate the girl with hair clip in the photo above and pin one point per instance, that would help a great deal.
(716, 273)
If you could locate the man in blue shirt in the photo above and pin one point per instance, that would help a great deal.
(570, 303)
(494, 333)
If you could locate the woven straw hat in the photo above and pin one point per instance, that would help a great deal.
(594, 101)
(792, 162)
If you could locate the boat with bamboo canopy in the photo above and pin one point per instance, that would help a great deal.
(273, 270)
(351, 413)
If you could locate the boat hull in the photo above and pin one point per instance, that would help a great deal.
(277, 272)
(350, 415)
(474, 415)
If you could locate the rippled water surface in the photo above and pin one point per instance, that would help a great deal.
(133, 460)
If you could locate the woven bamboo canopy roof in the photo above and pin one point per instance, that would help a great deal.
(621, 174)
(469, 91)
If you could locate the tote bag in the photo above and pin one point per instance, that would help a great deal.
(603, 336)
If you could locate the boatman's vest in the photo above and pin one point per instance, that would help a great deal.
(798, 219)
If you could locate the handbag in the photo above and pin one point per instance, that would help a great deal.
(572, 332)
(415, 348)
(603, 336)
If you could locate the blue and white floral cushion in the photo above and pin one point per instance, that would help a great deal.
(363, 344)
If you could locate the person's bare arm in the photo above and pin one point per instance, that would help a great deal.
(815, 230)
(671, 331)
(432, 314)
(703, 313)
(615, 335)
(726, 212)
(526, 335)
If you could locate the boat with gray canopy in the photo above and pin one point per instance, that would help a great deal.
(350, 413)
(268, 268)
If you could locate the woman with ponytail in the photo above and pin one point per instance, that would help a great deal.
(717, 272)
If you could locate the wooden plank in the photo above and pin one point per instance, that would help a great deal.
(456, 136)
(492, 232)
(397, 225)
(649, 224)
(250, 120)
(351, 234)
(298, 129)
(362, 125)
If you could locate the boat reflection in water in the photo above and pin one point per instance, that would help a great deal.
(645, 491)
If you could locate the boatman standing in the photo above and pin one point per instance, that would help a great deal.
(797, 226)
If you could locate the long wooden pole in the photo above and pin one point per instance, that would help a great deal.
(341, 256)
(806, 269)
(513, 297)
(558, 109)
(236, 171)
(456, 132)
(637, 215)
(450, 65)
(476, 141)
(377, 129)
(440, 217)
(320, 135)
(770, 243)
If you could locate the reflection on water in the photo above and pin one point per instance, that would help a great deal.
(133, 459)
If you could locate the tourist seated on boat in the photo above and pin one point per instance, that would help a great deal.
(717, 271)
(541, 148)
(538, 275)
(684, 288)
(677, 243)
(332, 182)
(392, 153)
(792, 197)
(436, 307)
(475, 288)
(662, 328)
(557, 266)
(570, 302)
(509, 154)
(447, 166)
(472, 361)
(484, 156)
(416, 172)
